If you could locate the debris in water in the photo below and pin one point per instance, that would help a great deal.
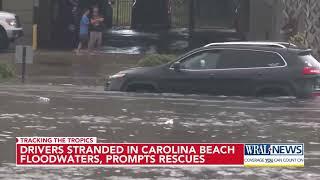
(43, 99)
(169, 121)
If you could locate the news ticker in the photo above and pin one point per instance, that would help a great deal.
(86, 151)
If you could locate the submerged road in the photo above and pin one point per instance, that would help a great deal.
(157, 118)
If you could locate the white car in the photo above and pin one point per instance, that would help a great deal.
(10, 29)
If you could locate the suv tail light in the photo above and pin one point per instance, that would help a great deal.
(311, 71)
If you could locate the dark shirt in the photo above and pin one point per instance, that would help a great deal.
(96, 25)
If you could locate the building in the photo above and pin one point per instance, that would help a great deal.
(256, 20)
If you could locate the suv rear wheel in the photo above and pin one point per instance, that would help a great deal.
(307, 90)
(274, 92)
(4, 41)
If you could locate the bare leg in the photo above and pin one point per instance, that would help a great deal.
(99, 39)
(91, 42)
(79, 47)
(86, 46)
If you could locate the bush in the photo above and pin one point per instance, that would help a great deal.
(155, 60)
(299, 40)
(6, 71)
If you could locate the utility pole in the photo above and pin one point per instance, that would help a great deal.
(36, 4)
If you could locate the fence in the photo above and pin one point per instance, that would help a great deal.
(180, 13)
(122, 13)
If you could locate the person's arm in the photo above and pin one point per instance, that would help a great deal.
(100, 19)
(93, 21)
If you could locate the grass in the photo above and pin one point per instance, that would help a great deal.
(6, 71)
(155, 60)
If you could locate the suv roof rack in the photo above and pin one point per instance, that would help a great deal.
(283, 45)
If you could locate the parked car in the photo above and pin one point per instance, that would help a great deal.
(239, 68)
(10, 29)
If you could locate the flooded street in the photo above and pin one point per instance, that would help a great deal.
(57, 57)
(154, 118)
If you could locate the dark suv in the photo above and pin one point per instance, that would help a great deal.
(232, 69)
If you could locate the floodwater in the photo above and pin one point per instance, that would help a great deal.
(157, 118)
(126, 41)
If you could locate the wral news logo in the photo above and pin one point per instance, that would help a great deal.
(274, 149)
(274, 155)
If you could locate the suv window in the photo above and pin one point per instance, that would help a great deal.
(249, 59)
(202, 60)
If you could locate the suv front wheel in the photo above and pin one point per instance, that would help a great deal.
(141, 88)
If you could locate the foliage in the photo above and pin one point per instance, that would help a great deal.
(155, 59)
(6, 71)
(299, 39)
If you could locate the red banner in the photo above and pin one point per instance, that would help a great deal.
(129, 154)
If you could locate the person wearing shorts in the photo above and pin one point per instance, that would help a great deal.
(84, 30)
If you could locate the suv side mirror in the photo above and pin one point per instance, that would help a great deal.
(176, 66)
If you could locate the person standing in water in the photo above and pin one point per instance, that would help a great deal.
(84, 30)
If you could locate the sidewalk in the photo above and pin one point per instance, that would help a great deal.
(62, 67)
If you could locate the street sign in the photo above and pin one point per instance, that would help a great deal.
(24, 55)
(24, 52)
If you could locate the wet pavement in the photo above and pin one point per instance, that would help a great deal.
(133, 42)
(157, 118)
